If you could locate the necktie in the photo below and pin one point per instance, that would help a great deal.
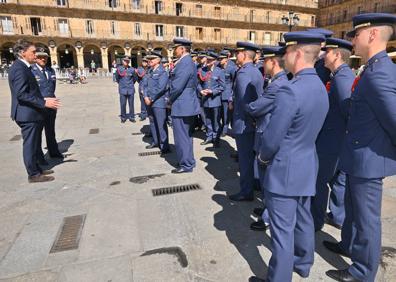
(45, 75)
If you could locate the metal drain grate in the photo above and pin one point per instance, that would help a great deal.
(137, 133)
(16, 138)
(69, 234)
(175, 189)
(152, 153)
(94, 131)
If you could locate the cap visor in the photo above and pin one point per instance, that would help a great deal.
(351, 33)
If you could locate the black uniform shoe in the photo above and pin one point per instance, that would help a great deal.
(331, 222)
(335, 248)
(258, 211)
(180, 170)
(241, 198)
(341, 275)
(256, 279)
(132, 120)
(206, 142)
(151, 146)
(259, 225)
(165, 152)
(123, 120)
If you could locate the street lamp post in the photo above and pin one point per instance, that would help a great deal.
(291, 20)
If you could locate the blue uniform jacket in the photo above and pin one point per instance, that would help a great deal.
(369, 149)
(27, 104)
(157, 87)
(141, 73)
(322, 71)
(126, 78)
(248, 86)
(47, 85)
(229, 74)
(216, 83)
(261, 109)
(183, 88)
(331, 136)
(288, 142)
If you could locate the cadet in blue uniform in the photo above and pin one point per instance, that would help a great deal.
(201, 74)
(328, 144)
(287, 150)
(260, 111)
(27, 107)
(184, 104)
(229, 74)
(155, 99)
(126, 78)
(369, 149)
(46, 80)
(321, 69)
(210, 89)
(141, 72)
(248, 86)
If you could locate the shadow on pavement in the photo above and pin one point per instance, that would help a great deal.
(64, 147)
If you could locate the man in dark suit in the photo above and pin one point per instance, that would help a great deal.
(27, 107)
(46, 79)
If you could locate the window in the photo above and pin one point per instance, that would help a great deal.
(61, 2)
(136, 4)
(113, 3)
(158, 6)
(359, 10)
(217, 34)
(113, 28)
(3, 1)
(63, 26)
(179, 9)
(199, 33)
(281, 36)
(198, 7)
(343, 34)
(179, 31)
(312, 20)
(267, 38)
(344, 15)
(268, 16)
(376, 7)
(252, 36)
(6, 25)
(159, 30)
(251, 15)
(217, 12)
(138, 29)
(89, 27)
(35, 23)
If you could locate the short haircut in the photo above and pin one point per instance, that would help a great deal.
(386, 32)
(345, 54)
(21, 46)
(311, 52)
(280, 62)
(250, 54)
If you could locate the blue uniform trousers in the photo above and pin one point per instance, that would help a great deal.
(225, 117)
(143, 108)
(328, 176)
(159, 127)
(212, 122)
(123, 101)
(202, 116)
(49, 129)
(245, 143)
(31, 134)
(182, 132)
(363, 209)
(292, 236)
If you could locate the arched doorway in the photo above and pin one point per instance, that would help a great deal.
(92, 53)
(67, 56)
(7, 53)
(46, 50)
(115, 53)
(137, 53)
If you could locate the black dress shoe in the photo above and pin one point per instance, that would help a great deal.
(259, 225)
(180, 170)
(256, 279)
(142, 118)
(331, 222)
(341, 275)
(123, 120)
(335, 248)
(132, 120)
(151, 146)
(206, 142)
(258, 211)
(241, 198)
(165, 152)
(148, 135)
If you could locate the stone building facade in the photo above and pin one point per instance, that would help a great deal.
(75, 32)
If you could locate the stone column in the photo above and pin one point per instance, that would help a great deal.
(54, 55)
(105, 59)
(127, 52)
(80, 57)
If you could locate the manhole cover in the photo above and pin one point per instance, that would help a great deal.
(69, 234)
(152, 153)
(94, 131)
(144, 178)
(175, 189)
(16, 138)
